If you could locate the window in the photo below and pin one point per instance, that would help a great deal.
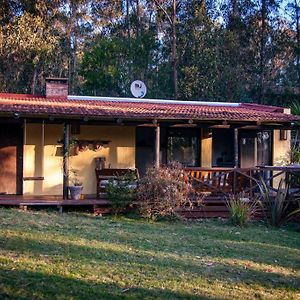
(183, 146)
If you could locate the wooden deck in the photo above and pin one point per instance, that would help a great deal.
(212, 206)
(215, 184)
(52, 201)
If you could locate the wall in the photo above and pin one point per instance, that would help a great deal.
(281, 149)
(281, 153)
(119, 153)
(206, 148)
(43, 161)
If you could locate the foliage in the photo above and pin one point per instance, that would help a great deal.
(75, 178)
(121, 192)
(278, 210)
(241, 209)
(102, 46)
(46, 255)
(295, 155)
(295, 107)
(162, 191)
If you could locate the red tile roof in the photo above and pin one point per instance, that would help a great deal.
(139, 109)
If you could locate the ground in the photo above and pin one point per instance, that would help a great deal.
(47, 255)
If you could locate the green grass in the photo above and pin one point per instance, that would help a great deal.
(46, 255)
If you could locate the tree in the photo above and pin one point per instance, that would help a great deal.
(170, 12)
(293, 8)
(28, 41)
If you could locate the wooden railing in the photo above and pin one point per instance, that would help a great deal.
(223, 181)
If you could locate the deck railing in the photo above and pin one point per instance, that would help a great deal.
(226, 181)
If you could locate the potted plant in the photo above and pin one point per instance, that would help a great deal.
(76, 188)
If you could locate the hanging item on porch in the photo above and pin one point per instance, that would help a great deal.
(83, 146)
(97, 145)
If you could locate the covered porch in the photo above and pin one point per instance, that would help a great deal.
(52, 149)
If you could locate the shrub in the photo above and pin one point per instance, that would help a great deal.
(241, 209)
(295, 155)
(121, 192)
(162, 191)
(277, 209)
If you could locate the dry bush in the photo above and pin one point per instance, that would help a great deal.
(162, 191)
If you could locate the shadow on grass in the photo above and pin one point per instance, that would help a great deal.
(170, 267)
(35, 285)
(213, 244)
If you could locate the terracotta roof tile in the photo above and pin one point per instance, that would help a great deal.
(37, 105)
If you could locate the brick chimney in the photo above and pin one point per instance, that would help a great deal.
(56, 87)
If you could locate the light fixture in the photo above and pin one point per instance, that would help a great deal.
(16, 115)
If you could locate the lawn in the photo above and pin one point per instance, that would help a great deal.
(47, 255)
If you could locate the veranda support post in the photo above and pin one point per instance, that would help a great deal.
(236, 158)
(66, 160)
(157, 146)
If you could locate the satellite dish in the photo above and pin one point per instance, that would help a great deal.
(138, 89)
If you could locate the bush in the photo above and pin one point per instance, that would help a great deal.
(277, 209)
(162, 191)
(121, 192)
(296, 155)
(241, 209)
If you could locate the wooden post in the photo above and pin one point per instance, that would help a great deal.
(43, 148)
(66, 160)
(157, 146)
(236, 159)
(236, 148)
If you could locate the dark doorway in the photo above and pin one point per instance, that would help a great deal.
(145, 144)
(11, 159)
(223, 148)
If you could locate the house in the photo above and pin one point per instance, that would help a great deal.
(37, 132)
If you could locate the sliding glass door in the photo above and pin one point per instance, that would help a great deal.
(183, 146)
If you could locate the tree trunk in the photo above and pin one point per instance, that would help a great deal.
(128, 20)
(262, 51)
(129, 39)
(138, 18)
(297, 14)
(33, 82)
(174, 50)
(235, 8)
(72, 35)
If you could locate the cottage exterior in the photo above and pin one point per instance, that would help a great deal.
(36, 133)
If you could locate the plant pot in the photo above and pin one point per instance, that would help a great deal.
(75, 192)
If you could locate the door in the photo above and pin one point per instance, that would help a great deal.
(223, 148)
(183, 146)
(264, 148)
(11, 159)
(145, 144)
(255, 148)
